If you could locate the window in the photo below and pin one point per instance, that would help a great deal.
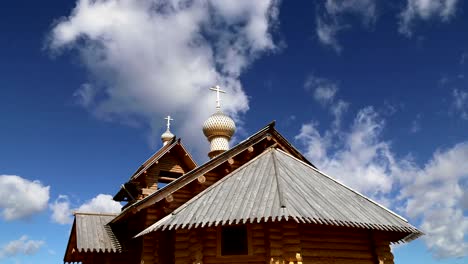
(234, 240)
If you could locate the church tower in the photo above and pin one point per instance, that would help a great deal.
(218, 128)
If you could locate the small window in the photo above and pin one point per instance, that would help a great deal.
(234, 240)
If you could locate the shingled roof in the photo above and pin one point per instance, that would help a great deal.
(277, 186)
(90, 233)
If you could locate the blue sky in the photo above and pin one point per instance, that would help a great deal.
(373, 93)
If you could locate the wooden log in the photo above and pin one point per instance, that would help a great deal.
(169, 198)
(201, 179)
(349, 254)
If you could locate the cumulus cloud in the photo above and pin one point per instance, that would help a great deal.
(433, 194)
(425, 10)
(460, 102)
(22, 246)
(21, 198)
(331, 19)
(436, 193)
(62, 208)
(151, 58)
(61, 212)
(102, 203)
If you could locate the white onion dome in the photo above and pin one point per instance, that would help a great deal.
(219, 124)
(167, 136)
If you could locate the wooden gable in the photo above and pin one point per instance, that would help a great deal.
(163, 167)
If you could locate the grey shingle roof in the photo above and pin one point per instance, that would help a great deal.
(94, 235)
(276, 186)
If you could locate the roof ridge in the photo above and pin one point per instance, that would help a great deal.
(347, 187)
(93, 213)
(278, 184)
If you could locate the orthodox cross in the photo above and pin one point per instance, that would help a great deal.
(169, 119)
(218, 90)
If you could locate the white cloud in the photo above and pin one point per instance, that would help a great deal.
(327, 33)
(102, 203)
(151, 58)
(433, 194)
(21, 198)
(61, 212)
(324, 92)
(85, 95)
(22, 246)
(425, 10)
(331, 20)
(62, 209)
(357, 157)
(460, 102)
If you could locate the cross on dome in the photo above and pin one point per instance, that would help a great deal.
(169, 119)
(218, 90)
(218, 128)
(167, 136)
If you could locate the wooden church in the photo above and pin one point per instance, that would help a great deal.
(260, 201)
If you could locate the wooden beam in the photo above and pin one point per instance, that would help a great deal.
(230, 161)
(201, 179)
(165, 179)
(169, 198)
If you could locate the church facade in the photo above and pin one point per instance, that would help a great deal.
(260, 201)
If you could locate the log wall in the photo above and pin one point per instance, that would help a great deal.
(273, 243)
(286, 243)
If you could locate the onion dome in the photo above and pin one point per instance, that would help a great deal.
(219, 124)
(167, 136)
(218, 128)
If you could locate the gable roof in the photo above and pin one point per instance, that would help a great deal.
(277, 186)
(267, 132)
(160, 153)
(90, 233)
(173, 144)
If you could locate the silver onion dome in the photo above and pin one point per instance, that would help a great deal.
(219, 124)
(166, 137)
